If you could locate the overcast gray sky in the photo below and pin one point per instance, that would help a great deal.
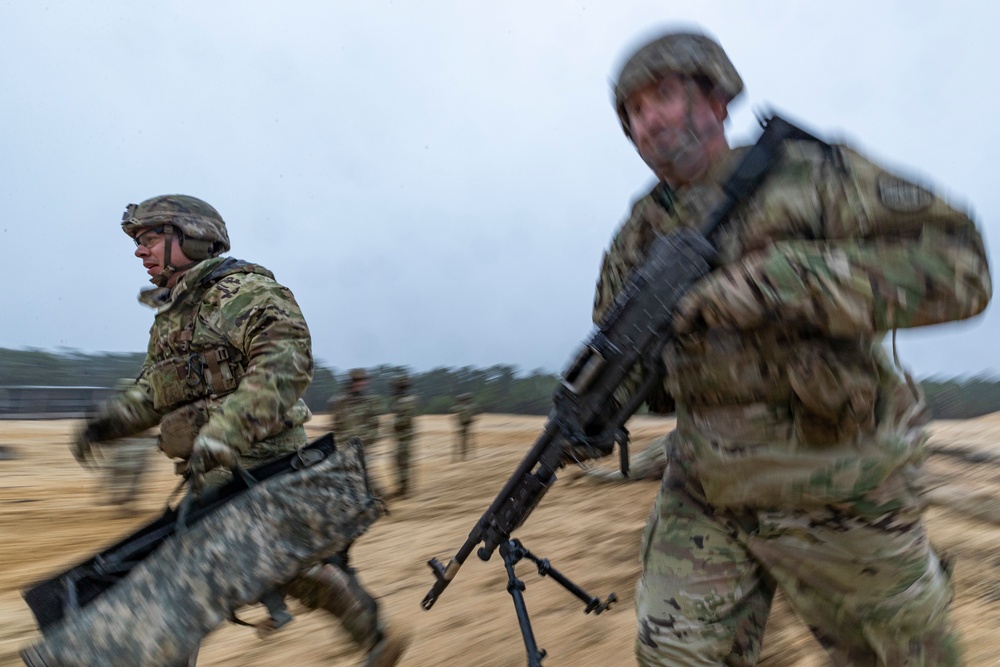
(435, 181)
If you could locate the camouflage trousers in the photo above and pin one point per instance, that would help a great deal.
(404, 449)
(334, 588)
(867, 583)
(463, 444)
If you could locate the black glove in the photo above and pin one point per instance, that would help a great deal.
(595, 442)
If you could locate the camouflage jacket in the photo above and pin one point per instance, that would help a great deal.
(404, 409)
(355, 414)
(804, 406)
(229, 348)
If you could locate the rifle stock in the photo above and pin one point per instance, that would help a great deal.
(635, 330)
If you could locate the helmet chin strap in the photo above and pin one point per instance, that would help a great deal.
(169, 270)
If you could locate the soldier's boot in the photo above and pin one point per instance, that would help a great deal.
(388, 649)
(334, 588)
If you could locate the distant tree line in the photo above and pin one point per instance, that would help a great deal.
(499, 389)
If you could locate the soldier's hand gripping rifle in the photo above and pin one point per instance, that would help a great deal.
(586, 420)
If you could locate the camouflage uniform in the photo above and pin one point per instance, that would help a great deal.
(404, 408)
(356, 413)
(229, 357)
(797, 438)
(465, 414)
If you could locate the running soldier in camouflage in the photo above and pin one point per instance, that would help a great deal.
(356, 413)
(797, 438)
(229, 357)
(404, 409)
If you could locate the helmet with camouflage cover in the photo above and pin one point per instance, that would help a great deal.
(689, 54)
(358, 374)
(204, 230)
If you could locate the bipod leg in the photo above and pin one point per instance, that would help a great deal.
(545, 569)
(512, 552)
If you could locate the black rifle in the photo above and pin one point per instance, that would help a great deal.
(585, 416)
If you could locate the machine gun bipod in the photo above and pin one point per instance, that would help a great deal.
(512, 552)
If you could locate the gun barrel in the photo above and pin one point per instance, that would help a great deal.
(444, 576)
(505, 513)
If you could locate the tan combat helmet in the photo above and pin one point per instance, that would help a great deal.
(686, 53)
(202, 230)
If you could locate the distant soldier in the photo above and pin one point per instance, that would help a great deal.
(404, 408)
(123, 464)
(356, 412)
(465, 414)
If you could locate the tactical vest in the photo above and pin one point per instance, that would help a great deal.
(189, 367)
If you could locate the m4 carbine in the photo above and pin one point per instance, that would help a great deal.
(586, 419)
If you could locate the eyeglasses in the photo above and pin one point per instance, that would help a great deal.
(149, 238)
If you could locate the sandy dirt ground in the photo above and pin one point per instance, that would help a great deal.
(52, 515)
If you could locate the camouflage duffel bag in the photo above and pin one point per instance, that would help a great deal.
(150, 599)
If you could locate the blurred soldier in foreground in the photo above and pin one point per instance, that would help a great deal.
(126, 461)
(404, 408)
(229, 357)
(797, 438)
(465, 414)
(356, 413)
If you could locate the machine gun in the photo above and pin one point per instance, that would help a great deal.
(586, 420)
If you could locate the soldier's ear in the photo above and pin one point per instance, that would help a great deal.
(718, 105)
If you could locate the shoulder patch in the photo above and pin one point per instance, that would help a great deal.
(902, 196)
